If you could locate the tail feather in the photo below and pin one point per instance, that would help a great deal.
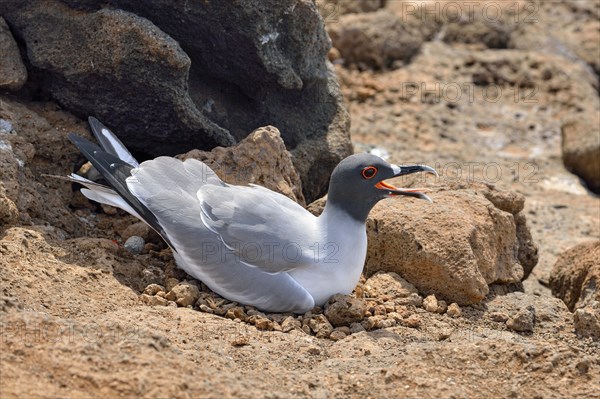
(110, 143)
(116, 171)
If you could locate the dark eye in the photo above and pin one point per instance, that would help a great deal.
(369, 172)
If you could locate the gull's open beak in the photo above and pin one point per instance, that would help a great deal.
(411, 192)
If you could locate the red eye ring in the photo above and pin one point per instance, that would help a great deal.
(369, 172)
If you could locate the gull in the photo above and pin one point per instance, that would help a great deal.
(248, 244)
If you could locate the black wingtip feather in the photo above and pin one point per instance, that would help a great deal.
(115, 171)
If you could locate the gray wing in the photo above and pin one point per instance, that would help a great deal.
(168, 188)
(262, 228)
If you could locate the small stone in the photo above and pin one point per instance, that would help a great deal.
(139, 229)
(454, 310)
(153, 300)
(442, 307)
(430, 304)
(263, 324)
(583, 366)
(336, 335)
(109, 210)
(205, 309)
(170, 282)
(153, 289)
(321, 326)
(373, 322)
(290, 323)
(587, 321)
(134, 245)
(500, 317)
(395, 316)
(314, 350)
(343, 310)
(522, 321)
(413, 299)
(379, 310)
(356, 328)
(185, 293)
(306, 329)
(242, 340)
(236, 312)
(412, 321)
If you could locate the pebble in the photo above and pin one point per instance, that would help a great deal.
(413, 299)
(500, 317)
(454, 310)
(134, 245)
(356, 328)
(153, 289)
(290, 323)
(336, 335)
(342, 310)
(430, 304)
(412, 321)
(184, 294)
(153, 300)
(522, 321)
(320, 326)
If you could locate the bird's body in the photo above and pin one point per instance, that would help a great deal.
(247, 243)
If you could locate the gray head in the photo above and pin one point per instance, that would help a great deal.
(357, 184)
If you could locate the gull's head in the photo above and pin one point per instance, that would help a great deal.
(358, 183)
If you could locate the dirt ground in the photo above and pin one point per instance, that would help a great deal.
(75, 324)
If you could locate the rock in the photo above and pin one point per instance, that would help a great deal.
(13, 73)
(430, 304)
(261, 158)
(581, 149)
(575, 277)
(184, 294)
(139, 229)
(454, 247)
(154, 289)
(412, 321)
(375, 40)
(453, 310)
(356, 328)
(413, 299)
(388, 284)
(522, 321)
(331, 10)
(343, 310)
(320, 326)
(290, 323)
(587, 321)
(336, 335)
(134, 245)
(152, 300)
(269, 68)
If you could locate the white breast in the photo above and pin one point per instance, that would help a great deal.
(339, 257)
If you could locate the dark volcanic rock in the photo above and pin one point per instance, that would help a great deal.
(168, 79)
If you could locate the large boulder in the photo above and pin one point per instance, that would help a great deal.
(168, 79)
(455, 247)
(13, 73)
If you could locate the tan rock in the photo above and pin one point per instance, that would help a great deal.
(454, 247)
(184, 294)
(575, 276)
(343, 310)
(261, 158)
(388, 284)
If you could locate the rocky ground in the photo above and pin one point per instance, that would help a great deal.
(498, 106)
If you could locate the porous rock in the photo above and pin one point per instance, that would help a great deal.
(261, 158)
(454, 247)
(575, 277)
(388, 284)
(343, 310)
(184, 294)
(154, 74)
(13, 73)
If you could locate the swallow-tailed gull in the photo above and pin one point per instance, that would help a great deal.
(247, 243)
